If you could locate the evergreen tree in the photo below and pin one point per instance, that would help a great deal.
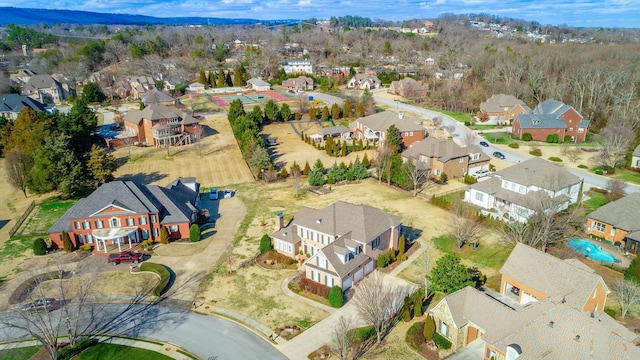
(346, 108)
(164, 235)
(256, 115)
(100, 166)
(39, 247)
(417, 303)
(194, 233)
(221, 78)
(67, 245)
(335, 111)
(633, 271)
(325, 114)
(359, 111)
(307, 169)
(450, 275)
(236, 110)
(406, 309)
(79, 125)
(271, 111)
(285, 112)
(365, 161)
(394, 140)
(344, 148)
(429, 328)
(359, 171)
(238, 76)
(336, 298)
(312, 113)
(328, 146)
(316, 176)
(401, 246)
(265, 244)
(283, 173)
(91, 93)
(212, 80)
(203, 79)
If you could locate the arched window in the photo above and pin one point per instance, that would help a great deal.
(115, 222)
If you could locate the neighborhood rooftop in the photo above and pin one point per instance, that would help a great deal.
(383, 120)
(538, 172)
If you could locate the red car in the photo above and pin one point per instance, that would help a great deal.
(126, 256)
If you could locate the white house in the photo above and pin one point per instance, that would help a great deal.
(258, 84)
(297, 66)
(635, 158)
(520, 190)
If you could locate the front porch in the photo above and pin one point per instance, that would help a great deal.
(109, 239)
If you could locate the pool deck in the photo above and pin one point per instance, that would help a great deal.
(618, 254)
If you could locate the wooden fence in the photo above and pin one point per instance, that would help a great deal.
(22, 218)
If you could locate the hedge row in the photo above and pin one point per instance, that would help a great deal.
(161, 271)
(315, 288)
(280, 258)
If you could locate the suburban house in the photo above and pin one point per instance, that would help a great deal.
(157, 97)
(444, 155)
(45, 89)
(340, 132)
(618, 222)
(161, 125)
(301, 83)
(258, 84)
(364, 81)
(374, 127)
(196, 87)
(124, 213)
(12, 104)
(551, 117)
(408, 88)
(343, 240)
(501, 109)
(521, 189)
(297, 67)
(635, 158)
(121, 87)
(546, 308)
(448, 74)
(140, 84)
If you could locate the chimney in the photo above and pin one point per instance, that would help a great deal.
(279, 220)
(400, 115)
(550, 324)
(577, 338)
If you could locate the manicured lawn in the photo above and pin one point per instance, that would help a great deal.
(19, 353)
(490, 256)
(461, 117)
(627, 175)
(484, 127)
(43, 216)
(114, 351)
(596, 200)
(498, 138)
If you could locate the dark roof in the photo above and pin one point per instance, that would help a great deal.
(383, 120)
(547, 116)
(155, 96)
(623, 213)
(442, 149)
(157, 112)
(331, 130)
(175, 203)
(15, 102)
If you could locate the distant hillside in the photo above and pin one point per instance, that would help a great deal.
(20, 16)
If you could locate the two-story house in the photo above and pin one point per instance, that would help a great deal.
(159, 125)
(374, 128)
(551, 117)
(524, 188)
(157, 96)
(502, 109)
(124, 213)
(343, 240)
(444, 155)
(618, 222)
(297, 66)
(45, 89)
(12, 104)
(364, 81)
(408, 88)
(546, 308)
(300, 83)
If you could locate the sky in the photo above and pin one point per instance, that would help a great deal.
(575, 13)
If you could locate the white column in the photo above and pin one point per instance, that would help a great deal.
(129, 241)
(119, 240)
(104, 244)
(97, 244)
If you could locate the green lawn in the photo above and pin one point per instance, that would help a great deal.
(461, 117)
(19, 353)
(44, 216)
(484, 127)
(627, 175)
(597, 199)
(114, 351)
(498, 138)
(488, 256)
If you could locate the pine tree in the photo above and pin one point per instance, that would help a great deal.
(359, 110)
(401, 245)
(285, 112)
(307, 169)
(203, 79)
(417, 303)
(164, 235)
(406, 309)
(335, 111)
(212, 80)
(325, 114)
(238, 76)
(67, 245)
(346, 110)
(194, 233)
(283, 173)
(221, 78)
(344, 149)
(365, 161)
(429, 328)
(312, 113)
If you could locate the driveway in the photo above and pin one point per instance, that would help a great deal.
(329, 99)
(473, 351)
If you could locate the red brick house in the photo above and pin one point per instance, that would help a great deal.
(124, 213)
(551, 117)
(374, 128)
(618, 222)
(439, 156)
(502, 109)
(158, 124)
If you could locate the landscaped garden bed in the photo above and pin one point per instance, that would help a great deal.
(273, 260)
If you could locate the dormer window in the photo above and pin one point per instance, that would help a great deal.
(319, 221)
(535, 122)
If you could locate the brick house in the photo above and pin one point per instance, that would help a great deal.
(123, 213)
(301, 83)
(524, 188)
(618, 222)
(343, 240)
(45, 89)
(408, 88)
(444, 155)
(12, 104)
(157, 125)
(556, 309)
(551, 117)
(501, 108)
(374, 127)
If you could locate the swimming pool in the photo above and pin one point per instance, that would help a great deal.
(591, 250)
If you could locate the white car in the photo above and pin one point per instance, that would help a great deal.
(480, 173)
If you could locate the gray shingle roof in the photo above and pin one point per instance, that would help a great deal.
(383, 120)
(442, 149)
(332, 253)
(538, 172)
(636, 151)
(15, 102)
(44, 81)
(155, 96)
(157, 112)
(469, 304)
(258, 82)
(547, 116)
(332, 130)
(623, 213)
(551, 276)
(496, 102)
(174, 203)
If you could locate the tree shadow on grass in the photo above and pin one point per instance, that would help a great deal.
(143, 178)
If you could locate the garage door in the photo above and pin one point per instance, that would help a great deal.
(347, 283)
(359, 274)
(368, 268)
(527, 298)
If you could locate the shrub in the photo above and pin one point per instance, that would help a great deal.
(67, 245)
(536, 152)
(72, 351)
(280, 258)
(555, 158)
(514, 145)
(392, 255)
(598, 171)
(366, 333)
(417, 303)
(633, 271)
(336, 298)
(441, 341)
(164, 235)
(401, 247)
(406, 309)
(315, 288)
(443, 177)
(429, 328)
(146, 245)
(383, 260)
(265, 244)
(39, 247)
(567, 138)
(86, 248)
(610, 170)
(583, 166)
(470, 180)
(194, 233)
(527, 137)
(414, 337)
(588, 137)
(610, 312)
(161, 271)
(553, 139)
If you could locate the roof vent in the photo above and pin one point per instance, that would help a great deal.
(550, 324)
(564, 299)
(577, 338)
(284, 233)
(319, 221)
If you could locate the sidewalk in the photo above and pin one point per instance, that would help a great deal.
(248, 323)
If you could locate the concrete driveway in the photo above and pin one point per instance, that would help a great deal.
(473, 351)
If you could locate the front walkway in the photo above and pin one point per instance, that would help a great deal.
(473, 351)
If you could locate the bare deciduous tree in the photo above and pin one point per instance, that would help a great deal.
(16, 164)
(616, 189)
(437, 122)
(416, 175)
(465, 228)
(468, 138)
(342, 338)
(303, 103)
(626, 294)
(571, 152)
(616, 140)
(383, 161)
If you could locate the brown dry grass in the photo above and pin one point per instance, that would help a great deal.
(108, 283)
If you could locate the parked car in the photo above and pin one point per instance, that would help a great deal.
(499, 155)
(40, 304)
(226, 193)
(480, 173)
(484, 143)
(213, 194)
(126, 256)
(515, 290)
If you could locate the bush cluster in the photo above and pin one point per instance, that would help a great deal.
(514, 145)
(441, 341)
(280, 258)
(567, 138)
(315, 288)
(555, 158)
(583, 166)
(336, 298)
(470, 180)
(383, 260)
(441, 202)
(553, 139)
(536, 152)
(527, 137)
(146, 245)
(86, 248)
(39, 247)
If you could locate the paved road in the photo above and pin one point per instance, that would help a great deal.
(208, 337)
(590, 179)
(329, 99)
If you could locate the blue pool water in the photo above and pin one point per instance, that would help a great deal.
(590, 250)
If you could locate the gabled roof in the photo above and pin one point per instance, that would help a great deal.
(441, 149)
(636, 151)
(38, 82)
(157, 112)
(497, 102)
(257, 82)
(623, 213)
(15, 102)
(331, 130)
(383, 120)
(155, 96)
(174, 203)
(334, 252)
(558, 279)
(547, 116)
(538, 172)
(300, 80)
(469, 304)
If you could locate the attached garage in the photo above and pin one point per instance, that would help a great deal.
(358, 275)
(346, 284)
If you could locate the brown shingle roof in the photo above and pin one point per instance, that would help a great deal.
(496, 102)
(469, 304)
(383, 120)
(538, 172)
(623, 213)
(442, 149)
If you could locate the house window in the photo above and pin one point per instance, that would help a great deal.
(479, 196)
(80, 239)
(598, 226)
(145, 234)
(437, 172)
(99, 224)
(460, 160)
(155, 232)
(314, 236)
(580, 130)
(76, 224)
(491, 354)
(505, 184)
(142, 221)
(115, 222)
(89, 239)
(521, 189)
(443, 329)
(130, 222)
(173, 228)
(410, 133)
(375, 243)
(613, 231)
(153, 218)
(570, 129)
(86, 225)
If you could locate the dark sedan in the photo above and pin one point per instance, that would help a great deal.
(498, 155)
(484, 143)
